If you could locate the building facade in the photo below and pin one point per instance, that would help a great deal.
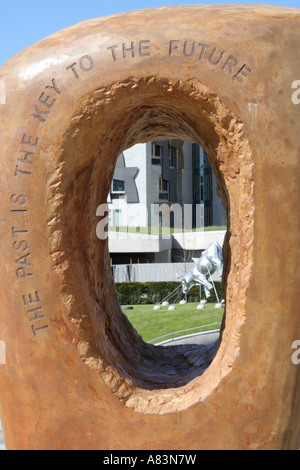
(160, 184)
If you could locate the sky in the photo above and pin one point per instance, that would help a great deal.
(23, 23)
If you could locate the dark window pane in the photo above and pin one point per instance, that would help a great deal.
(118, 186)
(158, 151)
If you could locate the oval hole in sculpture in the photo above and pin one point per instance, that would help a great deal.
(159, 223)
(147, 378)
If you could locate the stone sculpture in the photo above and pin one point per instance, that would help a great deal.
(76, 374)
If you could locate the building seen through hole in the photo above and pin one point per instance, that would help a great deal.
(162, 174)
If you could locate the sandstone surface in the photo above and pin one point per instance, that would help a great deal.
(76, 374)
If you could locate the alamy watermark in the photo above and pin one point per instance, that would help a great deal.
(296, 353)
(2, 92)
(182, 218)
(296, 94)
(2, 353)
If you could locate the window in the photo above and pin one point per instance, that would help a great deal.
(163, 189)
(160, 219)
(163, 185)
(157, 153)
(173, 157)
(118, 186)
(179, 186)
(117, 189)
(117, 218)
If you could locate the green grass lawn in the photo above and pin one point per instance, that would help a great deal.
(151, 323)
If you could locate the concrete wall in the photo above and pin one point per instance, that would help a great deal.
(123, 242)
(197, 240)
(156, 272)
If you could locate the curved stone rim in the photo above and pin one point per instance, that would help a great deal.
(45, 356)
(113, 355)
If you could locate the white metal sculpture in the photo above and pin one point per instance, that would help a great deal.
(211, 260)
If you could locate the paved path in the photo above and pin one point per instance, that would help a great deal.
(204, 337)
